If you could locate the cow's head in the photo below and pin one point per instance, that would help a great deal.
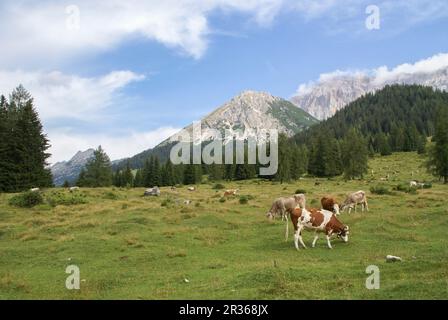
(336, 209)
(343, 234)
(270, 215)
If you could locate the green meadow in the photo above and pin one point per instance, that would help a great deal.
(131, 247)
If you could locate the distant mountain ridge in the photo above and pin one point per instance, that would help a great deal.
(250, 112)
(332, 93)
(69, 170)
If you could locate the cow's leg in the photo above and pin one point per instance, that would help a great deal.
(300, 237)
(287, 228)
(328, 241)
(316, 237)
(296, 239)
(367, 206)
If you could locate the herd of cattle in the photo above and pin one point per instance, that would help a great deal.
(318, 220)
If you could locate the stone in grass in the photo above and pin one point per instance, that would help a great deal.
(391, 258)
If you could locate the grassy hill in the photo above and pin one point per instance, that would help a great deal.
(132, 247)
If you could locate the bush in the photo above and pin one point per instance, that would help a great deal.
(380, 190)
(406, 188)
(218, 186)
(300, 191)
(167, 202)
(110, 196)
(63, 199)
(222, 200)
(244, 199)
(27, 199)
(427, 185)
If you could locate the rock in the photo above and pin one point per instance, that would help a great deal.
(152, 192)
(390, 258)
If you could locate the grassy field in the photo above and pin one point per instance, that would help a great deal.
(130, 247)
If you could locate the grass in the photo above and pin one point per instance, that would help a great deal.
(131, 247)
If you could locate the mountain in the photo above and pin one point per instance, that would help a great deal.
(69, 170)
(334, 92)
(250, 112)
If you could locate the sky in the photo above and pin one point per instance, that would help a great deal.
(128, 74)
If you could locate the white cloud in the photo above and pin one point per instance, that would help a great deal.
(181, 24)
(38, 31)
(66, 143)
(381, 75)
(59, 95)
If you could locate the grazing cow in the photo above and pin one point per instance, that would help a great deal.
(330, 204)
(353, 200)
(73, 189)
(152, 192)
(187, 202)
(35, 190)
(284, 206)
(319, 221)
(191, 189)
(229, 193)
(173, 188)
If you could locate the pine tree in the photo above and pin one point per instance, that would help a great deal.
(66, 184)
(354, 155)
(138, 180)
(168, 174)
(190, 174)
(284, 159)
(421, 144)
(127, 176)
(98, 171)
(156, 179)
(383, 145)
(438, 153)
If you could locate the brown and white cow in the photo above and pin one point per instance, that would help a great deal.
(284, 206)
(229, 193)
(353, 200)
(328, 203)
(320, 221)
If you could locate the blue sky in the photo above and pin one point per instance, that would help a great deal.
(129, 75)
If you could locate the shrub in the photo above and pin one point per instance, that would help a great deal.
(218, 186)
(62, 199)
(406, 188)
(300, 191)
(380, 190)
(244, 199)
(222, 200)
(167, 202)
(427, 185)
(27, 199)
(110, 195)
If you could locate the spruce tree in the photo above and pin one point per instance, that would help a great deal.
(127, 176)
(98, 171)
(354, 155)
(438, 153)
(284, 159)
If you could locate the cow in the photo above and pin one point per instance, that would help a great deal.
(284, 206)
(191, 189)
(319, 221)
(34, 189)
(152, 192)
(73, 189)
(229, 193)
(353, 200)
(328, 203)
(413, 184)
(187, 202)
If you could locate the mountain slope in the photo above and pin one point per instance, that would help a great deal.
(333, 93)
(251, 112)
(399, 111)
(69, 170)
